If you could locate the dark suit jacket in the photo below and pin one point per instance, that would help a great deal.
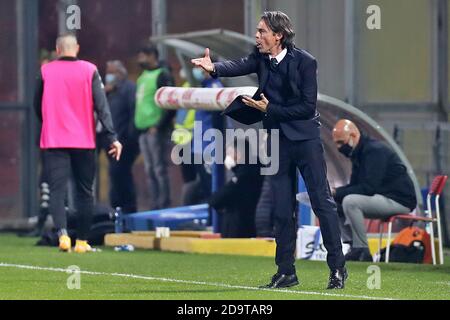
(297, 116)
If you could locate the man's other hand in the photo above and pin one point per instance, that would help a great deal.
(115, 150)
(261, 105)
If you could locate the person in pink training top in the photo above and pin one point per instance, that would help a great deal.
(68, 92)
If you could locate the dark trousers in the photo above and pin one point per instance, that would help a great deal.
(154, 148)
(59, 164)
(122, 192)
(308, 157)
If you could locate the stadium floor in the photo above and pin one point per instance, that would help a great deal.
(30, 272)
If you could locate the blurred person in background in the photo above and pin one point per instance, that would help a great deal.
(155, 125)
(236, 201)
(68, 91)
(44, 191)
(121, 95)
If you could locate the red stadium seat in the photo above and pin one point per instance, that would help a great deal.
(429, 218)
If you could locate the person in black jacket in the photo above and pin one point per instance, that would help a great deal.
(121, 94)
(286, 103)
(236, 201)
(379, 186)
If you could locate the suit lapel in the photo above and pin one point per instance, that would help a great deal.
(289, 56)
(292, 75)
(292, 63)
(264, 67)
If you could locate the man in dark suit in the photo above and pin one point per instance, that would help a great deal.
(287, 97)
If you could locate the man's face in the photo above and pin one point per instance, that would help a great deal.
(111, 69)
(146, 60)
(340, 138)
(266, 39)
(142, 58)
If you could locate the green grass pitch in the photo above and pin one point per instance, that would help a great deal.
(30, 272)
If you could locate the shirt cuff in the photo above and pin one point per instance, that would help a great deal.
(214, 73)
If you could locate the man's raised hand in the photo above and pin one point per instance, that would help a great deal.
(204, 62)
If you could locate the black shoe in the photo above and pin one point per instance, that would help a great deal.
(337, 278)
(359, 254)
(281, 281)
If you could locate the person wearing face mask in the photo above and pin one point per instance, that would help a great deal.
(379, 187)
(121, 95)
(154, 124)
(236, 201)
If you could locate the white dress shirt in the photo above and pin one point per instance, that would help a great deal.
(280, 56)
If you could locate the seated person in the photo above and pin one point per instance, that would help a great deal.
(379, 187)
(236, 201)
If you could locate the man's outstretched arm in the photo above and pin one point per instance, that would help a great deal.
(230, 68)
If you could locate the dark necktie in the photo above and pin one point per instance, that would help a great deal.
(273, 64)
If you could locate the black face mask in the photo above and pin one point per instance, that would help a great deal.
(144, 65)
(346, 150)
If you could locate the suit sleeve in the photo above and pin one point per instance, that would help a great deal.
(304, 108)
(375, 168)
(236, 68)
(38, 93)
(101, 106)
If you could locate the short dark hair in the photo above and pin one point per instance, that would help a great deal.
(149, 49)
(279, 22)
(120, 67)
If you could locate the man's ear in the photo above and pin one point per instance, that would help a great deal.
(352, 135)
(278, 36)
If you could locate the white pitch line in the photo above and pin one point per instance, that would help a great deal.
(223, 285)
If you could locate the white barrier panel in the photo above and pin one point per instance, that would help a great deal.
(310, 244)
(213, 99)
